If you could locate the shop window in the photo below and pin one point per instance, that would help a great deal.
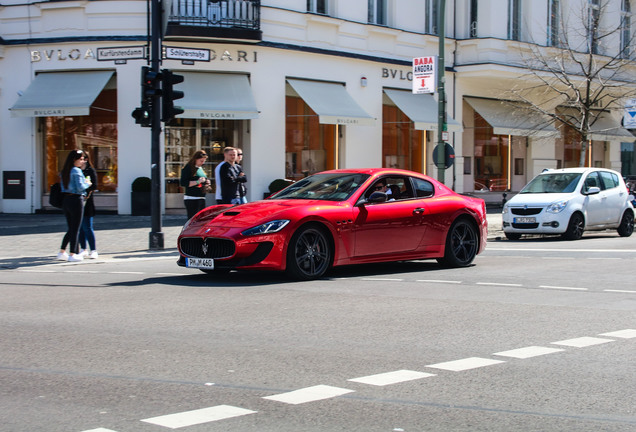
(186, 136)
(402, 145)
(491, 156)
(95, 133)
(309, 145)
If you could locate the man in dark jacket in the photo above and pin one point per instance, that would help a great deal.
(230, 177)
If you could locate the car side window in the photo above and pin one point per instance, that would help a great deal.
(423, 188)
(592, 180)
(610, 180)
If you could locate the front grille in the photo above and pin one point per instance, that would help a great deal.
(520, 211)
(525, 225)
(216, 248)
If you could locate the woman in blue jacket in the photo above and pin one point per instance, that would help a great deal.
(74, 186)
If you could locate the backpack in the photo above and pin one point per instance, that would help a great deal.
(56, 197)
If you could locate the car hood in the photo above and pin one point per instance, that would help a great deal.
(538, 199)
(255, 213)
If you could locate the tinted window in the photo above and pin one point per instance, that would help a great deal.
(592, 180)
(610, 180)
(395, 187)
(423, 188)
(552, 183)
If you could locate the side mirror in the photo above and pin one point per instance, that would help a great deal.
(593, 190)
(377, 197)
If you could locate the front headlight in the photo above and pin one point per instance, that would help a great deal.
(556, 207)
(267, 228)
(504, 210)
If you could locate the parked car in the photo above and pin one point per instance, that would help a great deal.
(336, 218)
(568, 202)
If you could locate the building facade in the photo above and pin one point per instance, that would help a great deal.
(300, 86)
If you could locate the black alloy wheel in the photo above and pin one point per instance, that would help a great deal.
(309, 253)
(462, 244)
(626, 228)
(576, 226)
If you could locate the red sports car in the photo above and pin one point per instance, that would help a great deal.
(336, 218)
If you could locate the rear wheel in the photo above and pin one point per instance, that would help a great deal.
(462, 244)
(626, 228)
(309, 253)
(575, 227)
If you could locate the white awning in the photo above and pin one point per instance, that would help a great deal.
(53, 94)
(605, 128)
(512, 118)
(422, 109)
(216, 96)
(332, 103)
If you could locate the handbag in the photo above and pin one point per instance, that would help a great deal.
(56, 197)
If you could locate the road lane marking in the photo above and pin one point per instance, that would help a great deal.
(99, 430)
(489, 248)
(309, 394)
(620, 291)
(528, 352)
(582, 342)
(499, 284)
(195, 417)
(465, 364)
(126, 272)
(439, 281)
(392, 377)
(562, 288)
(382, 279)
(623, 334)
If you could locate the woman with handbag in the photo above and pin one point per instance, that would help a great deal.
(87, 233)
(195, 182)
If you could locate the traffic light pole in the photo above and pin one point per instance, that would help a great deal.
(441, 92)
(156, 235)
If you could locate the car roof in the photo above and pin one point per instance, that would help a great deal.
(576, 170)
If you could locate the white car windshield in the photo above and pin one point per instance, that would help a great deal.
(328, 187)
(553, 183)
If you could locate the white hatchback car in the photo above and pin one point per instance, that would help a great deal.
(569, 201)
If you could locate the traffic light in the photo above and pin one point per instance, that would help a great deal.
(143, 115)
(149, 87)
(168, 109)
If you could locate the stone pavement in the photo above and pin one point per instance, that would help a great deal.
(117, 236)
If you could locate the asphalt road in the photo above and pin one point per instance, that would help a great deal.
(538, 335)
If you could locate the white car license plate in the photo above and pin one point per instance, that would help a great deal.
(202, 263)
(522, 220)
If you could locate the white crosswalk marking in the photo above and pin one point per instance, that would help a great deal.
(582, 342)
(392, 377)
(465, 364)
(309, 394)
(623, 334)
(527, 352)
(205, 415)
(99, 430)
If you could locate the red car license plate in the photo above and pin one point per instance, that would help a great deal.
(202, 263)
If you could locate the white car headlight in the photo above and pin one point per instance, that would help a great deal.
(267, 228)
(504, 210)
(557, 207)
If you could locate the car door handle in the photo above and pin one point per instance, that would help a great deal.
(418, 210)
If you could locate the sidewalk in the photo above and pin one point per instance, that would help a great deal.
(40, 235)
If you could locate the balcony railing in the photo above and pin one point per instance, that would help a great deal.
(239, 18)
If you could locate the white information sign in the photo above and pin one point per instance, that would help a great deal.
(425, 74)
(192, 54)
(121, 53)
(629, 118)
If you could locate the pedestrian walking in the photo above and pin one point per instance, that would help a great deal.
(242, 186)
(230, 177)
(87, 233)
(195, 182)
(74, 186)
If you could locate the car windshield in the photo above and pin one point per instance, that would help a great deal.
(553, 183)
(328, 187)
